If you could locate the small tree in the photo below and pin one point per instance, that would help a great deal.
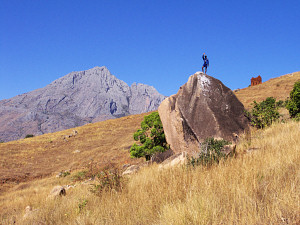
(151, 137)
(294, 104)
(264, 113)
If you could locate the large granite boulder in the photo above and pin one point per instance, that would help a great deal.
(203, 107)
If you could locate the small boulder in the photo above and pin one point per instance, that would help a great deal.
(74, 132)
(57, 191)
(175, 160)
(131, 169)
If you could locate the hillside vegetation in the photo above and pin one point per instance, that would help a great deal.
(259, 186)
(278, 88)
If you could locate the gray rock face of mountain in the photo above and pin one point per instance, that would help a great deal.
(74, 100)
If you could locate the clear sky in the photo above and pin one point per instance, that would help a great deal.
(155, 42)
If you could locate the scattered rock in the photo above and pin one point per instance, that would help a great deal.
(131, 169)
(73, 134)
(174, 160)
(203, 107)
(76, 151)
(29, 212)
(66, 187)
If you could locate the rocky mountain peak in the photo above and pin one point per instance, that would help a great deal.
(73, 100)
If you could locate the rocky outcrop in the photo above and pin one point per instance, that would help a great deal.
(74, 100)
(131, 169)
(203, 107)
(256, 80)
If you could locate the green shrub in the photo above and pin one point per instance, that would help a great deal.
(294, 103)
(211, 152)
(151, 137)
(108, 179)
(264, 113)
(29, 136)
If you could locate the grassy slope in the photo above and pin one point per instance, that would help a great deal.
(261, 187)
(102, 142)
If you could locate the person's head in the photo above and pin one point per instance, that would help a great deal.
(205, 57)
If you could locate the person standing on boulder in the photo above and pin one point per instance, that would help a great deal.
(206, 62)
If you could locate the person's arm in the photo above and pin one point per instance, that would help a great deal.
(203, 56)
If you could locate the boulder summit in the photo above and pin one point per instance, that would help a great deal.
(203, 107)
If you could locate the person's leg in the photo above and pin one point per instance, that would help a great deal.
(205, 70)
(202, 69)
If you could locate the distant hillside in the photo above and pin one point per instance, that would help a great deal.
(278, 88)
(102, 142)
(74, 100)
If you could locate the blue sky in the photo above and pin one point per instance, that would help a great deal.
(154, 42)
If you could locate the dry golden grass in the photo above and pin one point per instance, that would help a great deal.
(259, 187)
(278, 88)
(102, 142)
